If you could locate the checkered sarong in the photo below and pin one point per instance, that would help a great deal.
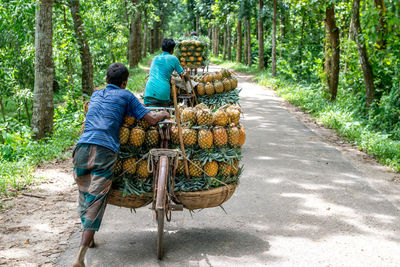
(93, 173)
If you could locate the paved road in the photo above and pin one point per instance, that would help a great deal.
(301, 202)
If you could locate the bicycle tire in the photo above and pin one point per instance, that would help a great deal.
(160, 234)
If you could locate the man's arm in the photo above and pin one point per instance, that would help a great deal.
(154, 117)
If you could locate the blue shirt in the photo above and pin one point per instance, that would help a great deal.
(107, 109)
(160, 75)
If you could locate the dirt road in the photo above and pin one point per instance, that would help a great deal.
(305, 199)
(302, 202)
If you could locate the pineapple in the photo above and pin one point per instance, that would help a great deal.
(189, 136)
(226, 73)
(174, 135)
(227, 84)
(201, 106)
(128, 121)
(219, 87)
(242, 135)
(118, 166)
(129, 165)
(220, 118)
(195, 168)
(224, 169)
(211, 168)
(205, 139)
(199, 49)
(210, 89)
(233, 114)
(220, 136)
(137, 137)
(201, 90)
(152, 137)
(210, 78)
(188, 115)
(143, 124)
(181, 167)
(234, 167)
(218, 76)
(233, 136)
(142, 171)
(234, 82)
(204, 117)
(124, 135)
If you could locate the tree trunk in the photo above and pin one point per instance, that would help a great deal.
(273, 58)
(43, 107)
(145, 30)
(215, 40)
(301, 39)
(363, 55)
(246, 42)
(3, 110)
(380, 4)
(156, 37)
(68, 61)
(198, 24)
(135, 39)
(28, 115)
(260, 36)
(239, 42)
(282, 30)
(248, 29)
(151, 41)
(84, 50)
(228, 40)
(332, 52)
(225, 48)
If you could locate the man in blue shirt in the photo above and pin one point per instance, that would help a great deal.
(96, 152)
(158, 89)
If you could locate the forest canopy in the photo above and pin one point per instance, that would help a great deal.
(342, 56)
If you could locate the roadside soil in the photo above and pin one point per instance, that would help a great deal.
(36, 225)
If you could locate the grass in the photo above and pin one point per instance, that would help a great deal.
(342, 115)
(19, 154)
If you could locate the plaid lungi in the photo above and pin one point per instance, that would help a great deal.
(93, 173)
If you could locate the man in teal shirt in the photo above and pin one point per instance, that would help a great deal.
(158, 88)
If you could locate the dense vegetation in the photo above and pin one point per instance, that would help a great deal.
(339, 60)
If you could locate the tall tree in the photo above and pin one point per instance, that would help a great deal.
(84, 50)
(228, 41)
(273, 58)
(215, 40)
(239, 41)
(145, 32)
(380, 4)
(135, 36)
(43, 107)
(362, 53)
(248, 42)
(260, 35)
(332, 51)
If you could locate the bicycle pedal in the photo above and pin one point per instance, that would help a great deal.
(175, 207)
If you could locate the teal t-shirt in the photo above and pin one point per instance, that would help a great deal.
(160, 74)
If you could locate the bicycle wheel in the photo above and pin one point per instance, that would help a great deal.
(161, 199)
(160, 234)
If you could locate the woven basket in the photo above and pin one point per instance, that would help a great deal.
(132, 201)
(206, 199)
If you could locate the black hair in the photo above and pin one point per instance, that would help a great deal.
(193, 34)
(167, 45)
(117, 73)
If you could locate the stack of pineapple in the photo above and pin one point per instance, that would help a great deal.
(216, 83)
(137, 138)
(191, 53)
(213, 142)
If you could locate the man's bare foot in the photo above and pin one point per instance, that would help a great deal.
(92, 244)
(80, 258)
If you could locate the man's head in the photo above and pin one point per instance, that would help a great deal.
(117, 74)
(168, 45)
